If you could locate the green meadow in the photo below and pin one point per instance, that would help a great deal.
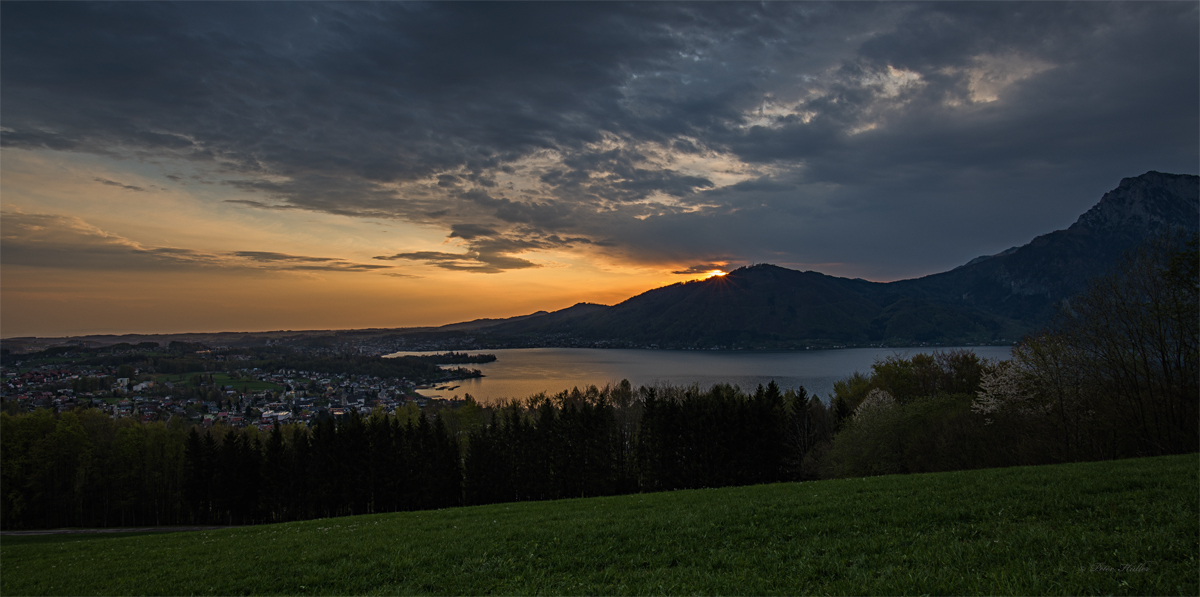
(1128, 527)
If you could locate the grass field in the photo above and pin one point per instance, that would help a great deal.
(1128, 527)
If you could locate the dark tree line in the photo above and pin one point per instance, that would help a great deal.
(86, 469)
(712, 439)
(547, 452)
(83, 468)
(355, 467)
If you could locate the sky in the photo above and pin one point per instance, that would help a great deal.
(194, 167)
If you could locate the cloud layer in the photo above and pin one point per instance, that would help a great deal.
(880, 140)
(67, 242)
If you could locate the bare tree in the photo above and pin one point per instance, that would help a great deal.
(1121, 371)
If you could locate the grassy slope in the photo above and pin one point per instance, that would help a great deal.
(1039, 530)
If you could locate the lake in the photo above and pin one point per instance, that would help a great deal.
(522, 372)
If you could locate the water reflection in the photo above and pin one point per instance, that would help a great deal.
(522, 372)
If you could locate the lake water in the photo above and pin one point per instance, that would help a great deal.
(522, 372)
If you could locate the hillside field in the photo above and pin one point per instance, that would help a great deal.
(1128, 527)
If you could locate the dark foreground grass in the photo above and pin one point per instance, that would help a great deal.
(1125, 527)
(13, 540)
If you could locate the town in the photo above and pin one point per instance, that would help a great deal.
(229, 386)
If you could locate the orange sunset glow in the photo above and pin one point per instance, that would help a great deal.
(264, 166)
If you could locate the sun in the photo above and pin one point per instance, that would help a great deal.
(713, 273)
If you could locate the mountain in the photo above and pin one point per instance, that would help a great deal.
(991, 299)
(994, 298)
(1027, 283)
(765, 307)
(763, 303)
(475, 324)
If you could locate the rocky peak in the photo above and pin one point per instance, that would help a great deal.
(1146, 204)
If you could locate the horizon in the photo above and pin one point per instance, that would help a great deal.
(705, 276)
(208, 167)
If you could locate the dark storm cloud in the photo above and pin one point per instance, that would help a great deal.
(478, 261)
(488, 254)
(260, 204)
(470, 231)
(305, 263)
(383, 92)
(1115, 72)
(270, 257)
(330, 194)
(113, 183)
(894, 137)
(614, 176)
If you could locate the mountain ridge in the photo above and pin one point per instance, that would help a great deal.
(995, 298)
(990, 299)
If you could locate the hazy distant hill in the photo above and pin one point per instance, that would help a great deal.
(990, 299)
